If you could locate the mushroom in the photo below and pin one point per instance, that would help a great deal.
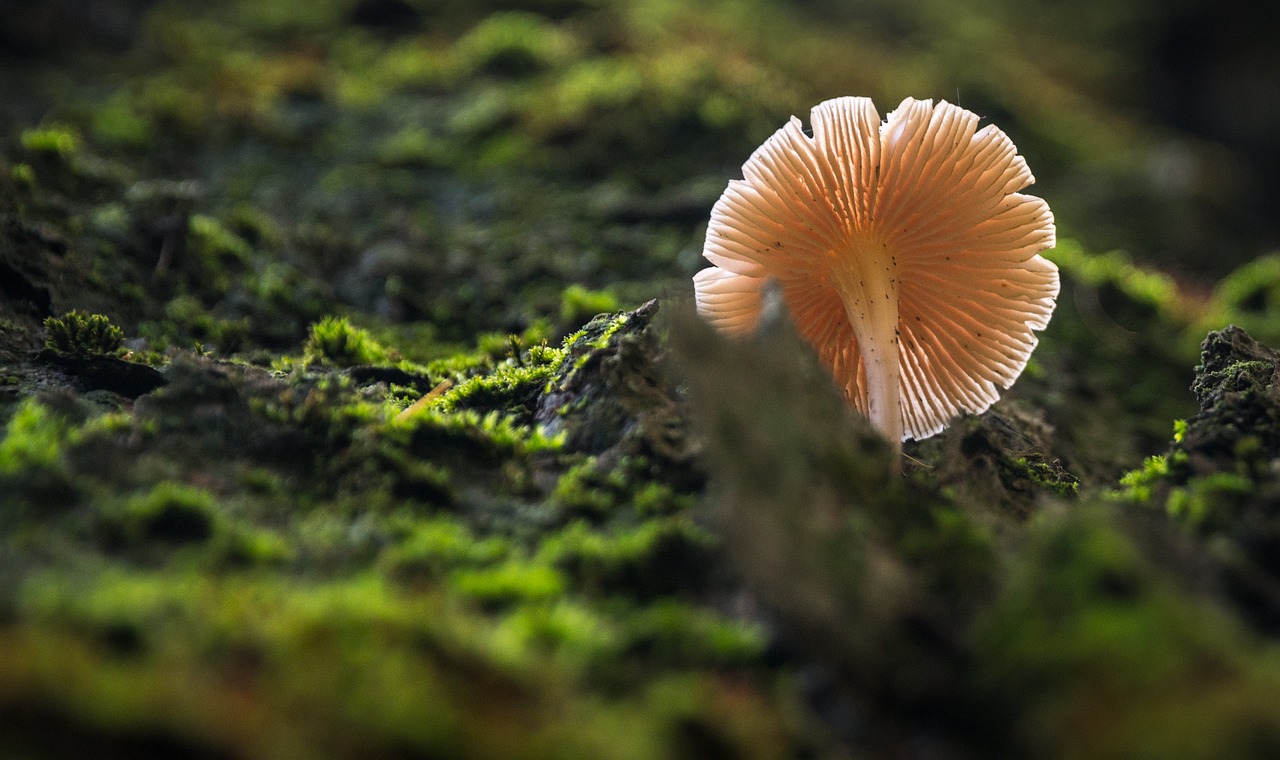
(903, 251)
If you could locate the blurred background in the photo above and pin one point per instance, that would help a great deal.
(459, 161)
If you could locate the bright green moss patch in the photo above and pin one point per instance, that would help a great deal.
(1046, 476)
(683, 635)
(1138, 483)
(607, 641)
(435, 547)
(56, 140)
(34, 439)
(507, 385)
(512, 581)
(83, 335)
(336, 341)
(1144, 285)
(493, 433)
(579, 304)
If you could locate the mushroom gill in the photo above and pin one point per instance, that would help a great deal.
(904, 252)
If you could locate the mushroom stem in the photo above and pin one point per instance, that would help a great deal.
(868, 285)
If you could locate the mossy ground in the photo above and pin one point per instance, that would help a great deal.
(340, 418)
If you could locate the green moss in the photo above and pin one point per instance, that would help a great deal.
(23, 175)
(653, 558)
(1093, 649)
(255, 226)
(578, 304)
(599, 83)
(1248, 377)
(607, 643)
(1046, 476)
(170, 513)
(34, 439)
(216, 245)
(332, 579)
(506, 386)
(656, 498)
(187, 322)
(590, 491)
(1142, 284)
(441, 545)
(493, 434)
(414, 146)
(584, 490)
(679, 634)
(512, 581)
(1136, 486)
(334, 340)
(514, 44)
(1206, 501)
(1249, 297)
(242, 546)
(55, 140)
(118, 122)
(83, 335)
(572, 633)
(111, 219)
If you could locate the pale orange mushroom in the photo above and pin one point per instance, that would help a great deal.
(903, 250)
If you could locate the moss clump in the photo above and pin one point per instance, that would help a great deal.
(492, 434)
(679, 634)
(513, 581)
(170, 513)
(1047, 476)
(54, 140)
(584, 490)
(1137, 485)
(335, 341)
(512, 387)
(655, 558)
(442, 545)
(34, 439)
(78, 334)
(513, 44)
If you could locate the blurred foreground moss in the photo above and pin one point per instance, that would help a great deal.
(331, 578)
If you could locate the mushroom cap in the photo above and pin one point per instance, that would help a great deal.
(929, 201)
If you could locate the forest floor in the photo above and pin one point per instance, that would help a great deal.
(352, 405)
